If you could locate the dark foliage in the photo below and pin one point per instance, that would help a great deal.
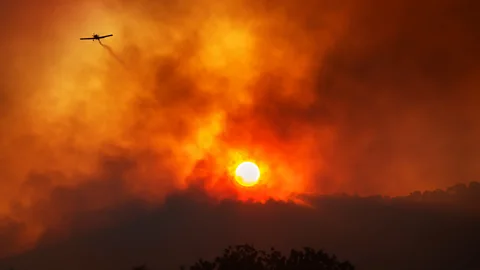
(247, 257)
(141, 267)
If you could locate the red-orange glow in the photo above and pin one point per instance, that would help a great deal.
(316, 93)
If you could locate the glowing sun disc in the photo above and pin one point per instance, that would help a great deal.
(247, 174)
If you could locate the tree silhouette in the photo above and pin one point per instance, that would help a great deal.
(141, 267)
(245, 257)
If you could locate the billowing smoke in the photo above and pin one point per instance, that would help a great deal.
(326, 96)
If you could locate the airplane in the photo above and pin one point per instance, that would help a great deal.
(96, 37)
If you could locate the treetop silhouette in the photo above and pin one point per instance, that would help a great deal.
(247, 257)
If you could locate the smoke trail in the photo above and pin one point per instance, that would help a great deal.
(113, 54)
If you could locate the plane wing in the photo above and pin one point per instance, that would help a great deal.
(105, 36)
(86, 38)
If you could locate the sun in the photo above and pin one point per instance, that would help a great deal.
(247, 174)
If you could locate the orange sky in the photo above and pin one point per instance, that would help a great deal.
(324, 96)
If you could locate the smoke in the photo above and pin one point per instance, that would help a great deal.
(113, 54)
(325, 97)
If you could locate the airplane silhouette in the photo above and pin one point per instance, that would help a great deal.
(96, 37)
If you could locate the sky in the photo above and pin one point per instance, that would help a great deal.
(357, 97)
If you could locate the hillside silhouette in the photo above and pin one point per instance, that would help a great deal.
(433, 229)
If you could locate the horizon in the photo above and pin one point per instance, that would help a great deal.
(140, 225)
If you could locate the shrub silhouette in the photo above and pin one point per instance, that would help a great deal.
(141, 267)
(247, 257)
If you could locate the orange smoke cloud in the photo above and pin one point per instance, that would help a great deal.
(319, 96)
(174, 86)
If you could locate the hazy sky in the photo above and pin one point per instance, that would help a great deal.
(367, 97)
